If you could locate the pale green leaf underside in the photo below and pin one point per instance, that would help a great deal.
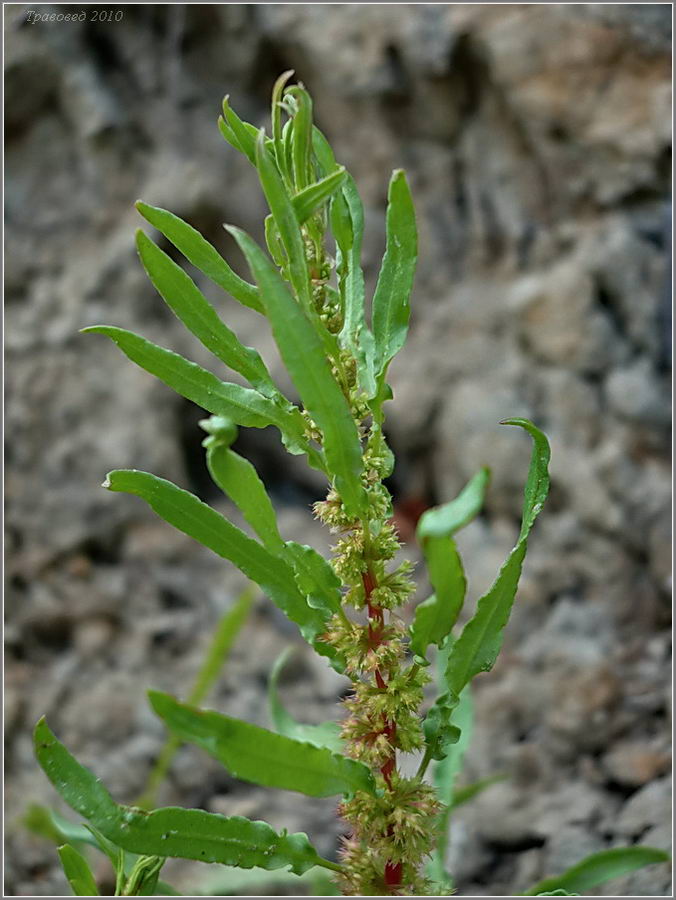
(170, 832)
(261, 756)
(600, 867)
(325, 735)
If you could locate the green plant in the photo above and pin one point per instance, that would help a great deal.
(315, 306)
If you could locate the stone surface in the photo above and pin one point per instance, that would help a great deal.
(536, 138)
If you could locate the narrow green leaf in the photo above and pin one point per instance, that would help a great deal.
(436, 616)
(305, 359)
(302, 136)
(323, 152)
(347, 223)
(228, 134)
(276, 119)
(274, 243)
(48, 824)
(115, 854)
(311, 198)
(221, 644)
(190, 305)
(243, 405)
(239, 481)
(284, 214)
(599, 867)
(445, 774)
(188, 514)
(479, 643)
(325, 735)
(171, 832)
(449, 518)
(144, 876)
(391, 309)
(78, 873)
(219, 648)
(245, 134)
(261, 756)
(314, 576)
(201, 254)
(468, 792)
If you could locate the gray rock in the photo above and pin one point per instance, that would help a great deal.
(649, 806)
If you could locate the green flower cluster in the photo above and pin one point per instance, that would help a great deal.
(392, 835)
(391, 838)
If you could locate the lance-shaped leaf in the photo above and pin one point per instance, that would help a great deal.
(301, 141)
(479, 643)
(391, 309)
(436, 616)
(276, 122)
(77, 872)
(599, 867)
(347, 223)
(243, 405)
(243, 133)
(314, 576)
(49, 824)
(469, 791)
(201, 254)
(261, 756)
(186, 512)
(190, 305)
(305, 359)
(284, 214)
(311, 198)
(239, 480)
(218, 650)
(323, 152)
(143, 880)
(171, 832)
(325, 735)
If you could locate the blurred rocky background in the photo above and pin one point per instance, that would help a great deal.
(537, 143)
